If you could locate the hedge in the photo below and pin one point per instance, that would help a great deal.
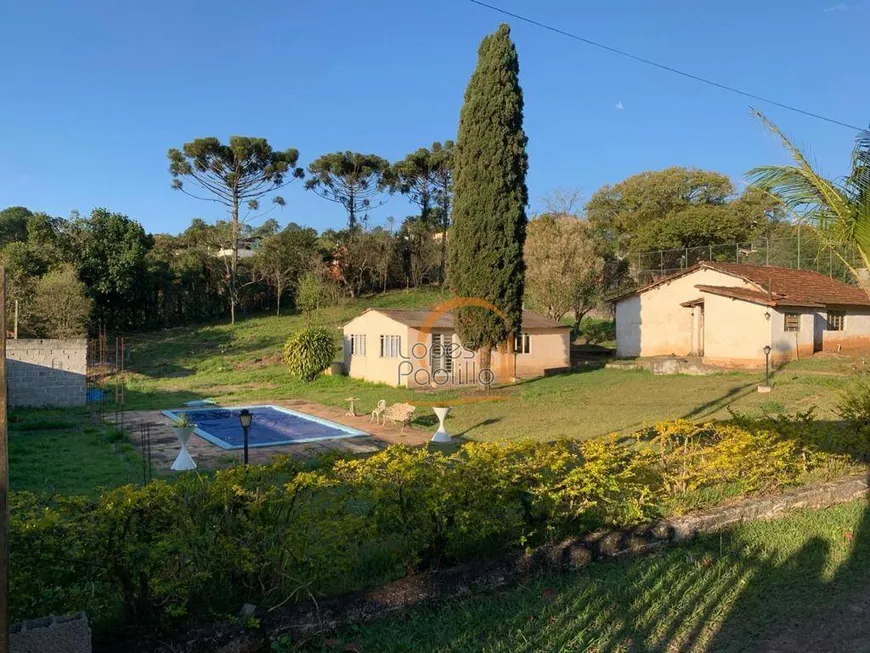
(203, 545)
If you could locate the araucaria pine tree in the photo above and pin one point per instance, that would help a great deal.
(485, 257)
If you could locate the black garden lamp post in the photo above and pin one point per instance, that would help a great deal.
(766, 351)
(245, 419)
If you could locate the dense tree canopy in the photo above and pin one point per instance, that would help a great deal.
(13, 224)
(490, 196)
(678, 208)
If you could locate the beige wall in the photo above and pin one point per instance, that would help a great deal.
(787, 345)
(735, 332)
(371, 366)
(855, 335)
(654, 324)
(549, 349)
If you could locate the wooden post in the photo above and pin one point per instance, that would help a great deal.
(4, 480)
(16, 319)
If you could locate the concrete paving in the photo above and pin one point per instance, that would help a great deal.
(165, 447)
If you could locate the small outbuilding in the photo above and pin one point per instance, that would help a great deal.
(727, 313)
(412, 348)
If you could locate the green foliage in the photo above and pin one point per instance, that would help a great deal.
(567, 269)
(489, 218)
(840, 209)
(597, 331)
(282, 258)
(854, 404)
(183, 421)
(203, 545)
(308, 352)
(13, 224)
(311, 293)
(356, 181)
(60, 306)
(110, 254)
(678, 208)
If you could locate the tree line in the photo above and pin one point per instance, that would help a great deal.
(105, 268)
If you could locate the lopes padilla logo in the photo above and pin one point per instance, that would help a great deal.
(436, 360)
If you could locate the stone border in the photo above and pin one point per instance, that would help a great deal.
(307, 619)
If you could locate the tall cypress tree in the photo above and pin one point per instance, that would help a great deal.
(485, 257)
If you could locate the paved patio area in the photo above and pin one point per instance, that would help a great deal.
(164, 445)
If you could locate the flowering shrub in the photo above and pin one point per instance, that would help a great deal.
(270, 534)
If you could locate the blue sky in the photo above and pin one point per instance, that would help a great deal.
(95, 92)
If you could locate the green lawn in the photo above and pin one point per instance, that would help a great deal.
(60, 451)
(794, 584)
(242, 363)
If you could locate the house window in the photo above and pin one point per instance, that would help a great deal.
(792, 321)
(390, 346)
(523, 343)
(836, 320)
(358, 345)
(440, 358)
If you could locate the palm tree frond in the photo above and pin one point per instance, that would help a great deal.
(800, 181)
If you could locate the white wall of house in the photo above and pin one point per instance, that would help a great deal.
(654, 324)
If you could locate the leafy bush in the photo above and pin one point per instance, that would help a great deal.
(597, 331)
(308, 352)
(854, 404)
(203, 545)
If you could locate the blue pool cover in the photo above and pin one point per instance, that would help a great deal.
(271, 426)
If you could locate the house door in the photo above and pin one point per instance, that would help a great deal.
(819, 323)
(700, 329)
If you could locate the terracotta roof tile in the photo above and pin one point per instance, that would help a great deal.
(789, 287)
(756, 296)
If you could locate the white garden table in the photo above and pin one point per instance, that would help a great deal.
(183, 462)
(441, 435)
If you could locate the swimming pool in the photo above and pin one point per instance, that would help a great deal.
(272, 426)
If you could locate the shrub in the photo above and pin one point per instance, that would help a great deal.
(308, 352)
(854, 404)
(61, 307)
(597, 331)
(201, 546)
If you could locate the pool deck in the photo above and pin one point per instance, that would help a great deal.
(164, 445)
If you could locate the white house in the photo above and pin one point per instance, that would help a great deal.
(421, 349)
(728, 312)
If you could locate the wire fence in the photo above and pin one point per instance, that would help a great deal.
(801, 253)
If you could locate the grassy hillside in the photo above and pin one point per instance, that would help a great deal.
(797, 584)
(242, 363)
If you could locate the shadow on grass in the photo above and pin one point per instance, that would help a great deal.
(765, 586)
(717, 404)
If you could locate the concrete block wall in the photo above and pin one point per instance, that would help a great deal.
(46, 372)
(51, 635)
